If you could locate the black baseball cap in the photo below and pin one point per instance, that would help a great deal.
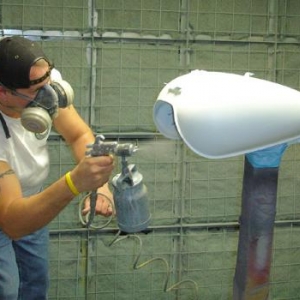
(17, 55)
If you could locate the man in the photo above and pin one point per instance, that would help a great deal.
(26, 89)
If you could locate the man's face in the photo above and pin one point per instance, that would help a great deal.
(20, 98)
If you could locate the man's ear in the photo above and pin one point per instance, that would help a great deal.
(3, 92)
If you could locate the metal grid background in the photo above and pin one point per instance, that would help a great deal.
(117, 55)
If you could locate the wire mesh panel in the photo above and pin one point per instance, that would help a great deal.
(230, 20)
(45, 15)
(138, 18)
(212, 190)
(285, 264)
(128, 78)
(67, 266)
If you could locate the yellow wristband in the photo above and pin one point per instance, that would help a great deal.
(71, 185)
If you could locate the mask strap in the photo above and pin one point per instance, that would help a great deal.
(46, 75)
(4, 125)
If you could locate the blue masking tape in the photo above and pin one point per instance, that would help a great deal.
(268, 157)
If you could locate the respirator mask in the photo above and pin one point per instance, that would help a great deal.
(37, 116)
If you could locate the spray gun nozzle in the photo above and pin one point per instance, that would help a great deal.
(125, 149)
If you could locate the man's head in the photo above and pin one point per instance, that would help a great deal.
(26, 87)
(17, 55)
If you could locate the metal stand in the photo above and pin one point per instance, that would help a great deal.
(251, 280)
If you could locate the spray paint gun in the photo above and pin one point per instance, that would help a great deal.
(130, 194)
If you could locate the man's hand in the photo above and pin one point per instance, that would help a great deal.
(104, 204)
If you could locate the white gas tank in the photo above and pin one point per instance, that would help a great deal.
(221, 115)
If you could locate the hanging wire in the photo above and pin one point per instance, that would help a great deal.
(137, 265)
(88, 219)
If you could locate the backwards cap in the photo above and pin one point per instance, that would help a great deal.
(17, 55)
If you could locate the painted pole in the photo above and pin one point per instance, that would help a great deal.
(259, 195)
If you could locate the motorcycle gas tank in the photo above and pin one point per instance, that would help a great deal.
(221, 115)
